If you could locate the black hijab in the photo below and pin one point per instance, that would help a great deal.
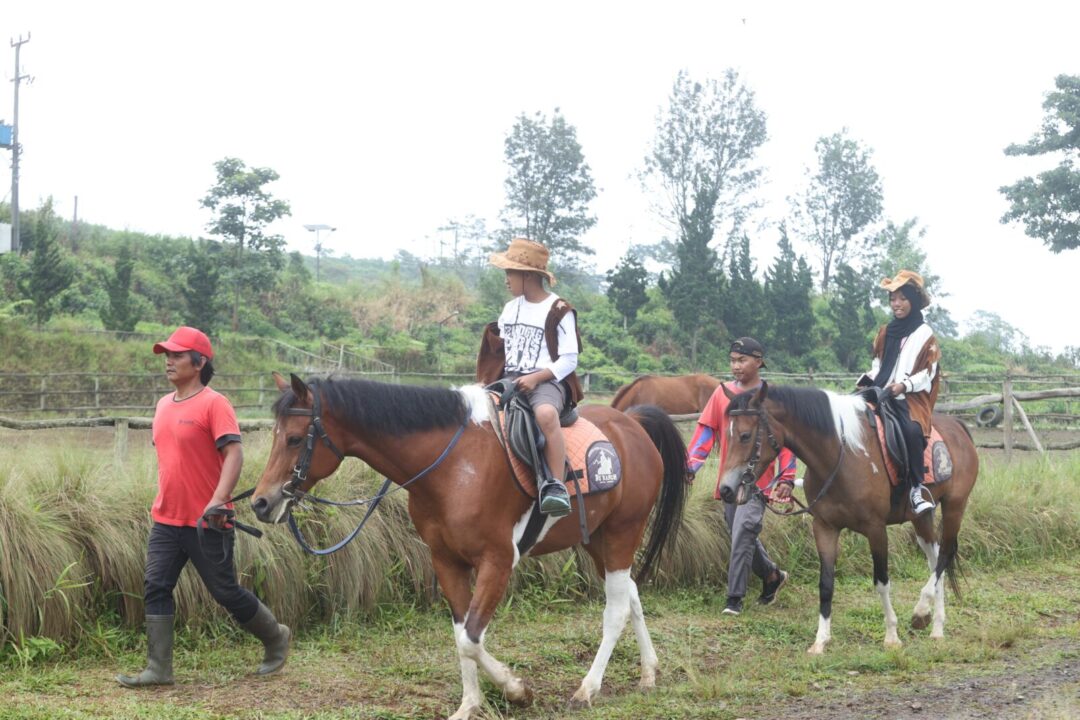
(897, 330)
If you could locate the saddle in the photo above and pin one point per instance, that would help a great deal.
(890, 432)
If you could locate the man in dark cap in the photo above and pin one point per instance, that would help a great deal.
(747, 358)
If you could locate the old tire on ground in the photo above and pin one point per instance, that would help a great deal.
(989, 416)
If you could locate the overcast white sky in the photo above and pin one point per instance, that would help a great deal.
(386, 120)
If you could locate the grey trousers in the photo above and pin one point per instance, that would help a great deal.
(747, 552)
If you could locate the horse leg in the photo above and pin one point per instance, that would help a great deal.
(454, 580)
(952, 515)
(827, 539)
(617, 610)
(648, 652)
(491, 581)
(924, 533)
(879, 550)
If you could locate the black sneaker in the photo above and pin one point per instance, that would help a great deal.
(554, 500)
(919, 501)
(769, 589)
(733, 607)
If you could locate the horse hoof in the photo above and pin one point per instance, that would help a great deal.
(893, 644)
(937, 635)
(647, 684)
(918, 622)
(580, 700)
(522, 697)
(815, 650)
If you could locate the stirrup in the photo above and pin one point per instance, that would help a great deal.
(554, 500)
(919, 502)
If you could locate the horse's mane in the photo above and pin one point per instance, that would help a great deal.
(809, 406)
(626, 388)
(384, 407)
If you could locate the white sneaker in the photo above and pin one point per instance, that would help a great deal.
(919, 501)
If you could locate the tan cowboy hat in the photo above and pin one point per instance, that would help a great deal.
(907, 277)
(525, 255)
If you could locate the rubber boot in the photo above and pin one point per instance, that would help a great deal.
(159, 649)
(274, 636)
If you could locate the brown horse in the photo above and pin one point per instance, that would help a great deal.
(468, 510)
(847, 487)
(674, 395)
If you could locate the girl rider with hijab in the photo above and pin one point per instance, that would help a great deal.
(906, 356)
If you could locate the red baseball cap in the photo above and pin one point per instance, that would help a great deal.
(186, 338)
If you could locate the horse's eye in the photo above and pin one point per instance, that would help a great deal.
(294, 441)
(744, 437)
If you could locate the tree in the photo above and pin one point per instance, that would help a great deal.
(1049, 204)
(203, 282)
(788, 291)
(850, 310)
(744, 312)
(626, 287)
(242, 211)
(50, 271)
(703, 162)
(120, 314)
(549, 185)
(842, 198)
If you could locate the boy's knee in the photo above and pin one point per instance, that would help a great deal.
(547, 417)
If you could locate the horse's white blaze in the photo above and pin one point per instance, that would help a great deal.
(847, 413)
(824, 634)
(891, 638)
(617, 591)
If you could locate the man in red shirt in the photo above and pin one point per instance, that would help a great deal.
(747, 358)
(197, 440)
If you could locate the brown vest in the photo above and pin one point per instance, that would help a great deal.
(921, 404)
(491, 361)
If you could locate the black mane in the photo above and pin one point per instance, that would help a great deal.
(809, 406)
(384, 407)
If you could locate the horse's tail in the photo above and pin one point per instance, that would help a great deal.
(619, 402)
(667, 515)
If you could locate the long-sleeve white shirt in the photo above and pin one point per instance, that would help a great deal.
(521, 326)
(910, 347)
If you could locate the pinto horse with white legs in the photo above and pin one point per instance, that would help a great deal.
(847, 488)
(439, 444)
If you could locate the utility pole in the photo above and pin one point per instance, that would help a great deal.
(16, 149)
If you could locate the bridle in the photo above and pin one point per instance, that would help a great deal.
(747, 478)
(293, 488)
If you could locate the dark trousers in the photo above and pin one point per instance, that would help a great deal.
(171, 547)
(915, 441)
(747, 552)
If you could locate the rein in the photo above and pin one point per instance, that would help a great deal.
(293, 488)
(747, 477)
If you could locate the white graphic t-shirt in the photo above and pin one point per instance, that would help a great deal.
(521, 326)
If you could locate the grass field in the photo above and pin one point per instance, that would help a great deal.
(372, 645)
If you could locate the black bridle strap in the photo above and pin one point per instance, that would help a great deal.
(230, 523)
(315, 431)
(824, 488)
(371, 502)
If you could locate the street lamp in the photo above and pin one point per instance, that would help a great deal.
(317, 229)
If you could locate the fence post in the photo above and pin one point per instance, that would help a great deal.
(120, 444)
(261, 395)
(588, 379)
(97, 392)
(1027, 426)
(1007, 420)
(41, 396)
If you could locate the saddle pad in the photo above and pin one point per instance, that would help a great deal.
(936, 458)
(591, 456)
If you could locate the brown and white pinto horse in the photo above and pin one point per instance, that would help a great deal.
(674, 395)
(471, 514)
(847, 488)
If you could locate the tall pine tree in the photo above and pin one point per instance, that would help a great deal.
(850, 310)
(626, 288)
(203, 282)
(789, 287)
(120, 314)
(744, 311)
(50, 271)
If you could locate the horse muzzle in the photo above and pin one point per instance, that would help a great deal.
(734, 489)
(272, 507)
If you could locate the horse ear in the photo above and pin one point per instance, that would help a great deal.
(298, 387)
(727, 391)
(282, 385)
(762, 392)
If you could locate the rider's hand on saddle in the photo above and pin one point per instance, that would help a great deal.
(896, 389)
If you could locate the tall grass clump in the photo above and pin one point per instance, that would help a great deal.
(74, 526)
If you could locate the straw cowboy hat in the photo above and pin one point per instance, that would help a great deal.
(524, 255)
(908, 277)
